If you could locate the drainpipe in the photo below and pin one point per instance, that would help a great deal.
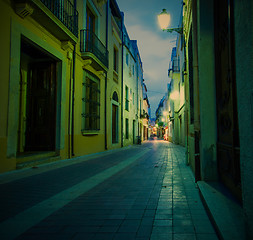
(73, 102)
(73, 96)
(122, 82)
(69, 120)
(107, 13)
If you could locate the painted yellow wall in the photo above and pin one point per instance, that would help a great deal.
(114, 41)
(5, 164)
(12, 27)
(87, 143)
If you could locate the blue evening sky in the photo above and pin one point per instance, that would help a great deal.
(154, 45)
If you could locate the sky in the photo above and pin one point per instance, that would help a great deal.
(154, 45)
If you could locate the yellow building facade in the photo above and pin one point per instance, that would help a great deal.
(61, 80)
(114, 100)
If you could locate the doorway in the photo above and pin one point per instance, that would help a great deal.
(37, 110)
(133, 131)
(228, 146)
(115, 128)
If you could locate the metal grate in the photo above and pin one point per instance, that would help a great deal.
(89, 42)
(66, 12)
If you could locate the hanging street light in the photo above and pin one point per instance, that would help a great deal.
(164, 21)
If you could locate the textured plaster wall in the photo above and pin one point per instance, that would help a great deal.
(12, 28)
(130, 82)
(10, 164)
(244, 81)
(113, 41)
(207, 90)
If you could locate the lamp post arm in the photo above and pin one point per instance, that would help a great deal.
(178, 30)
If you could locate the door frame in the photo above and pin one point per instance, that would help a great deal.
(117, 121)
(18, 32)
(228, 152)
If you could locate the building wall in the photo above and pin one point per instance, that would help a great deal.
(86, 141)
(139, 82)
(13, 27)
(114, 81)
(244, 76)
(71, 139)
(5, 23)
(187, 21)
(129, 81)
(207, 91)
(204, 45)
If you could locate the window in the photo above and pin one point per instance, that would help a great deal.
(115, 59)
(126, 99)
(133, 69)
(91, 103)
(90, 20)
(127, 58)
(127, 128)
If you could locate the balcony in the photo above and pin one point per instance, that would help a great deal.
(144, 115)
(58, 17)
(176, 64)
(65, 11)
(93, 49)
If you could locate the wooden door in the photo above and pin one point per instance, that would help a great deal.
(228, 146)
(114, 123)
(41, 107)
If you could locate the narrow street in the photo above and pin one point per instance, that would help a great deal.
(139, 192)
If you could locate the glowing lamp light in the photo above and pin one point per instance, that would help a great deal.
(164, 22)
(174, 95)
(163, 19)
(165, 113)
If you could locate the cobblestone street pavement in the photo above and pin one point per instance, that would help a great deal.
(139, 192)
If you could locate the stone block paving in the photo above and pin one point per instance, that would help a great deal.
(180, 213)
(153, 198)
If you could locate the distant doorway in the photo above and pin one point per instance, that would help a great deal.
(133, 131)
(115, 117)
(37, 111)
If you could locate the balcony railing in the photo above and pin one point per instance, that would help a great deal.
(89, 42)
(65, 11)
(176, 64)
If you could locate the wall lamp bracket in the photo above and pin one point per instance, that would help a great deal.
(170, 30)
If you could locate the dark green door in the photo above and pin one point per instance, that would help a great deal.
(228, 146)
(41, 107)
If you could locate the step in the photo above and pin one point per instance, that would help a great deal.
(224, 211)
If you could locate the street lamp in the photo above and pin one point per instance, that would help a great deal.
(175, 95)
(164, 21)
(165, 113)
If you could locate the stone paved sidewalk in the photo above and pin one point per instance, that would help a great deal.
(180, 213)
(141, 192)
